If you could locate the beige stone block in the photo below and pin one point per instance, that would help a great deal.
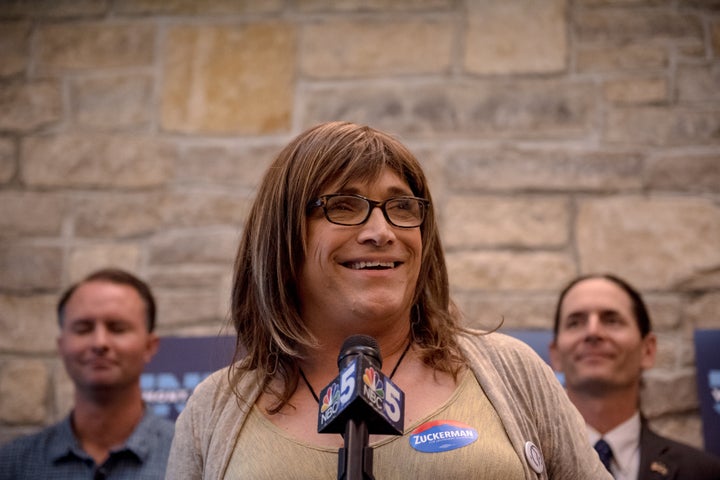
(210, 329)
(668, 391)
(686, 352)
(91, 45)
(692, 50)
(362, 48)
(689, 172)
(521, 36)
(23, 391)
(179, 308)
(63, 391)
(90, 257)
(194, 7)
(525, 271)
(185, 276)
(225, 302)
(699, 83)
(112, 102)
(653, 242)
(622, 25)
(130, 214)
(544, 169)
(53, 8)
(704, 311)
(606, 3)
(239, 165)
(637, 90)
(28, 323)
(520, 221)
(433, 162)
(96, 160)
(659, 126)
(701, 280)
(670, 349)
(194, 247)
(486, 109)
(28, 106)
(371, 5)
(14, 47)
(510, 109)
(206, 208)
(31, 213)
(623, 57)
(120, 214)
(26, 267)
(8, 165)
(665, 310)
(228, 79)
(715, 37)
(487, 310)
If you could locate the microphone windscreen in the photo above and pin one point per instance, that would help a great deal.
(359, 340)
(359, 344)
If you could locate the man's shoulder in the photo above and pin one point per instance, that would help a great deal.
(159, 426)
(659, 452)
(29, 446)
(33, 439)
(158, 421)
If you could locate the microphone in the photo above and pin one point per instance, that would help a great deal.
(361, 400)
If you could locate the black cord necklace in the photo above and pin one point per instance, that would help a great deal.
(317, 399)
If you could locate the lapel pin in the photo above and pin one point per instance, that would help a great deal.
(659, 467)
(534, 457)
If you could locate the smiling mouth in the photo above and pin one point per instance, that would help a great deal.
(594, 356)
(371, 265)
(96, 367)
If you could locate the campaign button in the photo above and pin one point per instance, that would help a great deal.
(442, 436)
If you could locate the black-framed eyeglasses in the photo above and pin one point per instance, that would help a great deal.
(350, 209)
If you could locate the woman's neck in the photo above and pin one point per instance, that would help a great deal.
(324, 358)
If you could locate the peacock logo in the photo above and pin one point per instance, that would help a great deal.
(331, 397)
(372, 380)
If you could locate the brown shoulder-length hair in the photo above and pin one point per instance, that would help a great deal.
(271, 335)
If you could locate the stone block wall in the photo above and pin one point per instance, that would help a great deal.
(560, 137)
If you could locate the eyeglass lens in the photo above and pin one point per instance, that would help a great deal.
(350, 210)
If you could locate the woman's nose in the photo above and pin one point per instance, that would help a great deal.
(376, 229)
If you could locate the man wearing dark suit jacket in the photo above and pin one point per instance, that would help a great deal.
(603, 341)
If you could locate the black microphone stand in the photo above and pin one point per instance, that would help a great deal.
(355, 460)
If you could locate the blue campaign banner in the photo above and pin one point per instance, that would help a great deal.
(179, 366)
(183, 362)
(707, 356)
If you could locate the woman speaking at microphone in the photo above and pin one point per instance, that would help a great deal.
(341, 240)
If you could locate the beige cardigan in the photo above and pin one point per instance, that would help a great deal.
(523, 389)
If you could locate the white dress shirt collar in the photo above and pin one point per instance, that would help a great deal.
(624, 440)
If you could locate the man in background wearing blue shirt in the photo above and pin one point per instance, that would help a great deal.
(106, 338)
